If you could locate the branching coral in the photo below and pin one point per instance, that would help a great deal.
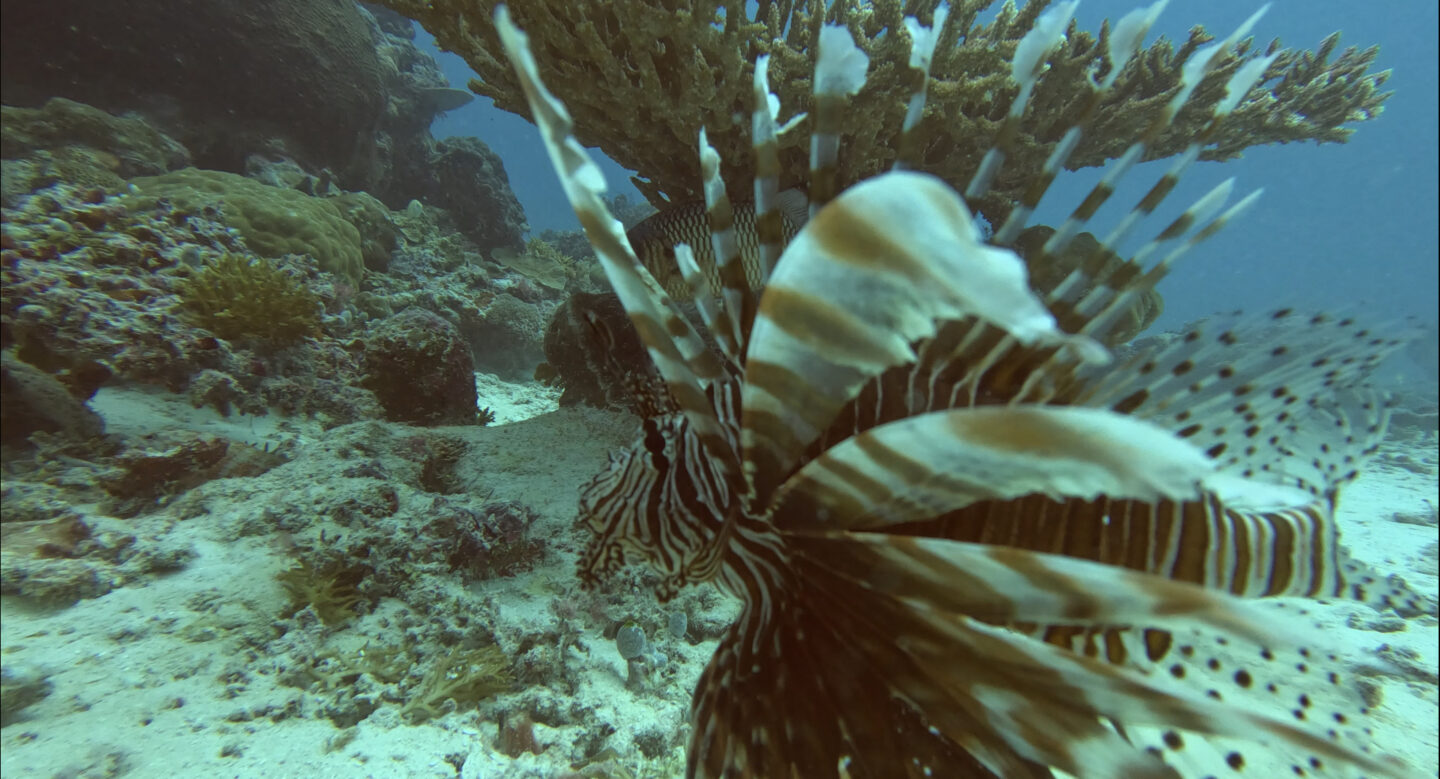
(331, 590)
(640, 78)
(242, 298)
(457, 678)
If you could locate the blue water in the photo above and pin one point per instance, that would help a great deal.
(1339, 226)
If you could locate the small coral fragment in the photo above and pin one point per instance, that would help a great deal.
(457, 678)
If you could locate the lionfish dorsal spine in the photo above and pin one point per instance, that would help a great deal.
(922, 55)
(1200, 64)
(840, 69)
(769, 223)
(1026, 66)
(1123, 44)
(733, 322)
(678, 352)
(716, 317)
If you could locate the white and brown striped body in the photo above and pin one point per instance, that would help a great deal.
(962, 546)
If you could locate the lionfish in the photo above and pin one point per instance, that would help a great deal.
(964, 544)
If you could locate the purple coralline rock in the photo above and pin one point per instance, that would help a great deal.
(421, 370)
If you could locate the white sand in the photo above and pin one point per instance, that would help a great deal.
(170, 676)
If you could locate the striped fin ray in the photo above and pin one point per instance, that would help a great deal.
(1104, 300)
(679, 354)
(839, 72)
(1111, 300)
(1239, 84)
(1113, 287)
(1116, 287)
(801, 703)
(716, 317)
(1293, 551)
(1124, 42)
(734, 318)
(922, 54)
(1026, 66)
(1192, 73)
(849, 299)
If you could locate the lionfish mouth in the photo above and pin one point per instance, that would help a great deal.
(964, 547)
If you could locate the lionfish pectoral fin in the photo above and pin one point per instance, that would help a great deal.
(791, 691)
(872, 273)
(1247, 390)
(924, 466)
(1363, 583)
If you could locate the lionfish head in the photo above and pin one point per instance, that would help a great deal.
(659, 467)
(961, 546)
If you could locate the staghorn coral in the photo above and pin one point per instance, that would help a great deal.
(460, 677)
(639, 77)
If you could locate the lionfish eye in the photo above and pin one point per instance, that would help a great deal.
(655, 444)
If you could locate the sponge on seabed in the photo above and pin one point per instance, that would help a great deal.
(273, 221)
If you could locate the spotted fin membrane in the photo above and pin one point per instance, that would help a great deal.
(968, 539)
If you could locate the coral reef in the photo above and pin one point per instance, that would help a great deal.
(68, 141)
(329, 590)
(494, 541)
(20, 687)
(467, 179)
(329, 99)
(459, 677)
(32, 400)
(303, 78)
(540, 262)
(508, 339)
(591, 372)
(274, 222)
(378, 235)
(90, 291)
(660, 63)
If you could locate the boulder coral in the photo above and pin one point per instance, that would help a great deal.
(273, 221)
(421, 370)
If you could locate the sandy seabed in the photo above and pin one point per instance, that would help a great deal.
(190, 673)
